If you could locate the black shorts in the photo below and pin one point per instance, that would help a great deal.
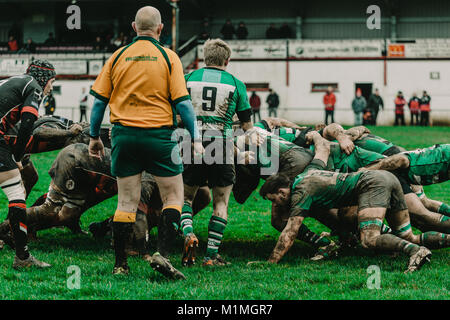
(6, 159)
(213, 175)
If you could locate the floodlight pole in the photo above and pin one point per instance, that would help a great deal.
(175, 17)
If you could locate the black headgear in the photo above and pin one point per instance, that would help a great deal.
(42, 71)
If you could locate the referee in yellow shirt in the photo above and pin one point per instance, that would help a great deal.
(144, 85)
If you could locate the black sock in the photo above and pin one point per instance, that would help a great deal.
(17, 216)
(121, 234)
(167, 229)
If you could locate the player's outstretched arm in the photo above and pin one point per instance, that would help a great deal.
(397, 161)
(44, 134)
(286, 239)
(279, 122)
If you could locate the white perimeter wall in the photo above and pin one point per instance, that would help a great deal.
(67, 103)
(299, 104)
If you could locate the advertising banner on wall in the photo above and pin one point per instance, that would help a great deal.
(69, 67)
(11, 67)
(421, 48)
(335, 49)
(95, 66)
(254, 49)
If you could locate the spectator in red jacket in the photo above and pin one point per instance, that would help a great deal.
(413, 105)
(399, 112)
(12, 44)
(255, 103)
(425, 109)
(329, 100)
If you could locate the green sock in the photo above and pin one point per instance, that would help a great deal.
(216, 228)
(186, 219)
(310, 237)
(385, 229)
(434, 240)
(444, 209)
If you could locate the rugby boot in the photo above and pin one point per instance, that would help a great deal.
(418, 259)
(29, 262)
(217, 261)
(189, 250)
(326, 252)
(123, 269)
(163, 266)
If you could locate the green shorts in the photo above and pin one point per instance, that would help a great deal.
(380, 189)
(138, 149)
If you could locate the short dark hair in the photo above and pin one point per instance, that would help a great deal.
(273, 183)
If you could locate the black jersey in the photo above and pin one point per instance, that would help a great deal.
(18, 94)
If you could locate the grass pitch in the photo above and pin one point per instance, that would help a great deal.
(249, 236)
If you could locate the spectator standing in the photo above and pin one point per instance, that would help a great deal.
(227, 30)
(374, 104)
(358, 105)
(50, 40)
(49, 104)
(273, 101)
(255, 103)
(98, 44)
(399, 112)
(241, 31)
(286, 32)
(425, 109)
(13, 46)
(329, 100)
(83, 104)
(205, 32)
(272, 32)
(29, 47)
(414, 108)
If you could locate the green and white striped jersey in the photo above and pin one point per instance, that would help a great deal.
(216, 96)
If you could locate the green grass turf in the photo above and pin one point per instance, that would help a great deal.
(249, 236)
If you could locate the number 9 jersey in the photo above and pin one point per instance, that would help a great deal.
(216, 96)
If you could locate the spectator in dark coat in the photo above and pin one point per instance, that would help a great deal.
(205, 32)
(273, 101)
(241, 31)
(374, 104)
(50, 40)
(286, 32)
(425, 109)
(227, 30)
(29, 47)
(49, 104)
(272, 32)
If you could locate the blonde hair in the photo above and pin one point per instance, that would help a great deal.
(216, 52)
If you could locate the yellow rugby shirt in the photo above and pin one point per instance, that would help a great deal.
(142, 82)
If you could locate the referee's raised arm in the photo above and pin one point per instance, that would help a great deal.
(143, 84)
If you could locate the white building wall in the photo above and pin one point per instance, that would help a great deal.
(67, 102)
(299, 104)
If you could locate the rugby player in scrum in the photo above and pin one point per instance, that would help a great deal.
(378, 195)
